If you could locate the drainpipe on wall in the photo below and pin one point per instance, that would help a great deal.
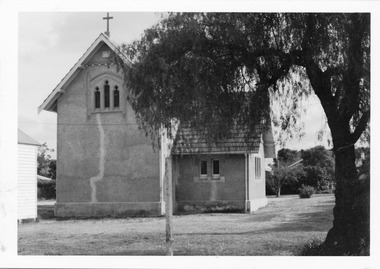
(162, 172)
(246, 182)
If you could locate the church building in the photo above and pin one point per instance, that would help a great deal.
(106, 166)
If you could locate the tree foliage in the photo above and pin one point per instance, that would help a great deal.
(209, 70)
(189, 64)
(287, 156)
(46, 166)
(319, 168)
(313, 167)
(283, 173)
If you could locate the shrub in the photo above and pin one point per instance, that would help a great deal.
(306, 191)
(46, 189)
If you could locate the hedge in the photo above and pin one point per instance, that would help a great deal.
(46, 189)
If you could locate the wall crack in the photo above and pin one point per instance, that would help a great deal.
(102, 154)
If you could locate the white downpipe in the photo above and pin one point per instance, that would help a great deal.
(246, 181)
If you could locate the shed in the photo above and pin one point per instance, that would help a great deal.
(26, 176)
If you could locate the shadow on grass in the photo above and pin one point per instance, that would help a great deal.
(146, 252)
(319, 220)
(220, 234)
(160, 252)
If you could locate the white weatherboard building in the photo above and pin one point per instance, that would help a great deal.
(26, 177)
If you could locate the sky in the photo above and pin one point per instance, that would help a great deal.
(50, 43)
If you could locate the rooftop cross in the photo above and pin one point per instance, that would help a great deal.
(108, 18)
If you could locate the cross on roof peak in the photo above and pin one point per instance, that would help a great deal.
(108, 18)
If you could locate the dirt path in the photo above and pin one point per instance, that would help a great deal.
(277, 229)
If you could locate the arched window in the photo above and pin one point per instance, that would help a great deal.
(97, 97)
(106, 94)
(116, 97)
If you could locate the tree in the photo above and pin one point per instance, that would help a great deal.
(46, 166)
(318, 165)
(287, 155)
(283, 173)
(211, 70)
(52, 169)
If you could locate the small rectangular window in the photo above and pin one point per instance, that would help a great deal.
(215, 167)
(203, 168)
(257, 168)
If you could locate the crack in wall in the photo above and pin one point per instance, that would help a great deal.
(102, 154)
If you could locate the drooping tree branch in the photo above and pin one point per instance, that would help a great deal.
(334, 71)
(354, 72)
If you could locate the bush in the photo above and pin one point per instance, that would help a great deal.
(306, 191)
(46, 189)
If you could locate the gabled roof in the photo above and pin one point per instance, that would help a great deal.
(240, 140)
(49, 103)
(23, 138)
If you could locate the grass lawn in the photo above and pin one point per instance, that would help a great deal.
(280, 228)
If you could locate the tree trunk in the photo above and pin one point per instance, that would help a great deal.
(278, 194)
(350, 232)
(168, 206)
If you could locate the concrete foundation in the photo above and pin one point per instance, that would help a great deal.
(210, 206)
(108, 209)
(254, 205)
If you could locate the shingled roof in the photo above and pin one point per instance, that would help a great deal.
(239, 140)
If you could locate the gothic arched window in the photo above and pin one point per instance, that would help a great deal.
(106, 94)
(116, 97)
(97, 97)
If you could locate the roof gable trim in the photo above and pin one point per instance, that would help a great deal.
(49, 102)
(25, 139)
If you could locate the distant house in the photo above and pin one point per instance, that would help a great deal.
(26, 176)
